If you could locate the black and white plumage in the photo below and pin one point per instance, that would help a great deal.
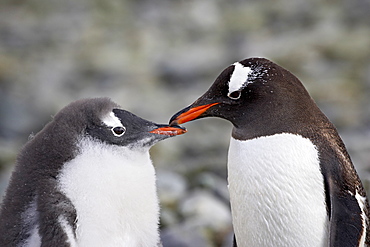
(86, 179)
(291, 180)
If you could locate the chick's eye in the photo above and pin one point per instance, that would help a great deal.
(234, 95)
(118, 131)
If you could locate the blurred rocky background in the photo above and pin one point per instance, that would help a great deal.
(156, 57)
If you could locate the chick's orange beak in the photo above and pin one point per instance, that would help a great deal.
(169, 130)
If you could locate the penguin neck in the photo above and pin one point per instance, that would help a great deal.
(308, 127)
(114, 193)
(281, 115)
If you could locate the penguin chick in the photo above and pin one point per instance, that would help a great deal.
(86, 179)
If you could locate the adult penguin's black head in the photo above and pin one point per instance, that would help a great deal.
(258, 96)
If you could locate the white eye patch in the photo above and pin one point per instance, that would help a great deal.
(111, 120)
(239, 77)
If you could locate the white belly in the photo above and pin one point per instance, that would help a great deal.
(276, 192)
(114, 193)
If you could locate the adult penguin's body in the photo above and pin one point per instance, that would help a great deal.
(291, 180)
(86, 179)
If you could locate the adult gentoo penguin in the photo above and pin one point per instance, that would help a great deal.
(86, 179)
(291, 180)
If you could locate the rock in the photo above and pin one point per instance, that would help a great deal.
(171, 186)
(168, 216)
(208, 209)
(188, 234)
(215, 183)
(228, 240)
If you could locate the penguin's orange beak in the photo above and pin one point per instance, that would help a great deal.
(169, 130)
(190, 113)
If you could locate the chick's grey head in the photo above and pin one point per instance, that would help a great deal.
(103, 120)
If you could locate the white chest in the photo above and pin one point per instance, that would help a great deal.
(276, 192)
(113, 190)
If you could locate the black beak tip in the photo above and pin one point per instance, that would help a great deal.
(173, 121)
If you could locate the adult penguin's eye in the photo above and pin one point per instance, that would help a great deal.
(235, 95)
(118, 131)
